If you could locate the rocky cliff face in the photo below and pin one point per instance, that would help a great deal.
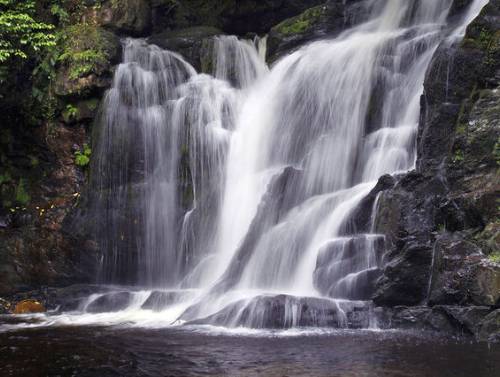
(441, 221)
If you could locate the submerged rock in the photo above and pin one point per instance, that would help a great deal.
(160, 300)
(111, 302)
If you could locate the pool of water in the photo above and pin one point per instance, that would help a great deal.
(207, 351)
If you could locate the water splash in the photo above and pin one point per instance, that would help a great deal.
(241, 184)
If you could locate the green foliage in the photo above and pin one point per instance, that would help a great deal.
(71, 111)
(84, 49)
(82, 158)
(495, 257)
(21, 33)
(459, 156)
(22, 196)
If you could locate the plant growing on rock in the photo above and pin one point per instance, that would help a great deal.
(22, 196)
(82, 158)
(21, 33)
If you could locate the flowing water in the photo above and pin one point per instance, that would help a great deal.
(231, 197)
(234, 214)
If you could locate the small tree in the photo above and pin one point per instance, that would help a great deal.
(21, 34)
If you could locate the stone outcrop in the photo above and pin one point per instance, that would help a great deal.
(441, 220)
(195, 44)
(326, 20)
(232, 16)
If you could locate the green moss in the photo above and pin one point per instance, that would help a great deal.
(301, 23)
(70, 113)
(22, 196)
(85, 50)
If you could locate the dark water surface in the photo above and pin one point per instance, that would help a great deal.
(105, 351)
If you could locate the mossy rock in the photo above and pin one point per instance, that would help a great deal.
(82, 112)
(319, 22)
(129, 17)
(301, 23)
(86, 57)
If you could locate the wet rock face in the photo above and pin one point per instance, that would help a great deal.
(126, 17)
(195, 44)
(111, 302)
(277, 201)
(489, 327)
(232, 16)
(455, 79)
(160, 300)
(347, 268)
(448, 319)
(461, 274)
(435, 218)
(282, 311)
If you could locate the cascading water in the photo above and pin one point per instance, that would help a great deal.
(232, 194)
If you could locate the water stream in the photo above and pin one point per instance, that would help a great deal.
(228, 197)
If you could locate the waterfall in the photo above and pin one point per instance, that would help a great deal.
(241, 184)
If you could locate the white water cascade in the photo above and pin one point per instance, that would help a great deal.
(232, 198)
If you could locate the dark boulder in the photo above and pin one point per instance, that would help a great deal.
(195, 44)
(461, 273)
(455, 320)
(489, 327)
(362, 219)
